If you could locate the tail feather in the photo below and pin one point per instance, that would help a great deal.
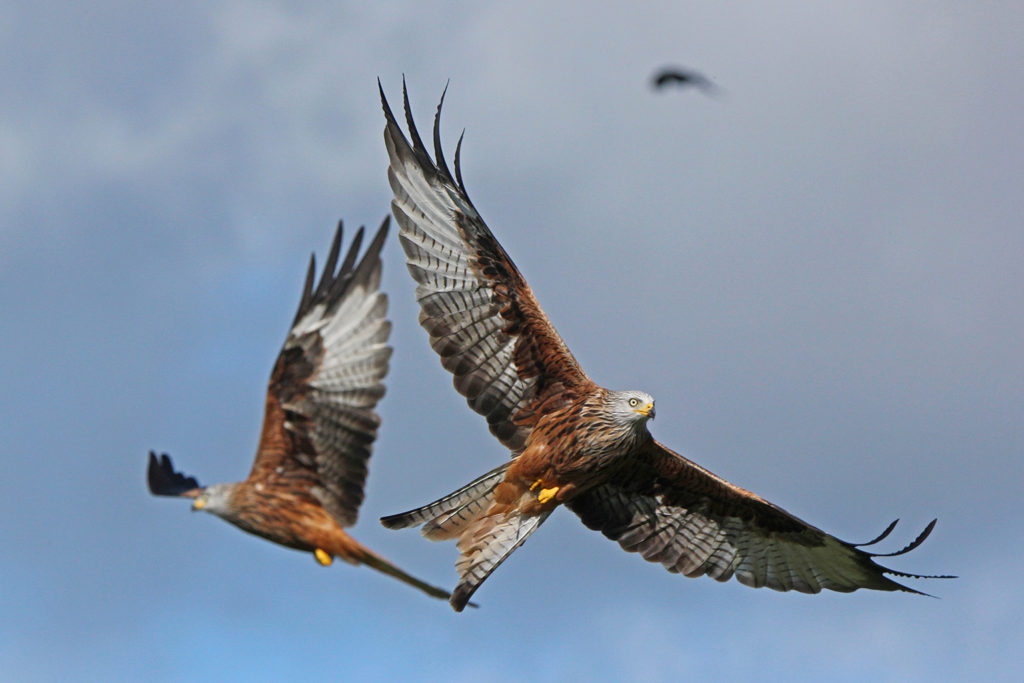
(486, 544)
(488, 531)
(372, 559)
(447, 517)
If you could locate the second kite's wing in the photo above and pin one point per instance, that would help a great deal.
(320, 420)
(675, 512)
(483, 320)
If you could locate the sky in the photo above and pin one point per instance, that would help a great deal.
(817, 272)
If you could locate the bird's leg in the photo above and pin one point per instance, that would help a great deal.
(323, 557)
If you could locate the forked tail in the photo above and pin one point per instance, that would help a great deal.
(487, 533)
(448, 517)
(486, 544)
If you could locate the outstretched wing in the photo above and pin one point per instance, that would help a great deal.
(163, 480)
(483, 320)
(675, 512)
(320, 422)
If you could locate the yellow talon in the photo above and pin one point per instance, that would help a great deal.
(535, 484)
(323, 557)
(547, 494)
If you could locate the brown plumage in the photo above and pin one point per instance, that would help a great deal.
(319, 424)
(572, 442)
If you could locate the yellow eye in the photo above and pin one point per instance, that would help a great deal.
(634, 402)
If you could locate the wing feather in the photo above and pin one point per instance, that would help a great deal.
(320, 420)
(482, 317)
(674, 512)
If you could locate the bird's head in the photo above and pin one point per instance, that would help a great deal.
(631, 407)
(213, 499)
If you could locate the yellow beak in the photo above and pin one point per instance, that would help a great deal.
(647, 410)
(198, 504)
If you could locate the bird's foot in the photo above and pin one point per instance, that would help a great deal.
(323, 557)
(547, 494)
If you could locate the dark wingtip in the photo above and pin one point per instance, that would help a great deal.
(337, 283)
(327, 276)
(371, 257)
(307, 290)
(330, 283)
(913, 544)
(458, 164)
(379, 237)
(388, 114)
(907, 575)
(335, 279)
(414, 135)
(350, 256)
(442, 165)
(414, 143)
(881, 536)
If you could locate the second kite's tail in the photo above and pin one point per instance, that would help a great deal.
(372, 559)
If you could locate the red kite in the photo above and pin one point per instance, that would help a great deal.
(319, 424)
(573, 442)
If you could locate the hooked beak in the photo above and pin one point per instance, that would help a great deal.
(198, 504)
(647, 411)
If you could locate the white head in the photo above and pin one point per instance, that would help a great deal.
(214, 499)
(630, 407)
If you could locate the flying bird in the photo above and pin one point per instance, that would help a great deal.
(572, 441)
(682, 77)
(319, 424)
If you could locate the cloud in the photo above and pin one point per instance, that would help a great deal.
(816, 276)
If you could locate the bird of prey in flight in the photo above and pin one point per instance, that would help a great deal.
(319, 424)
(676, 76)
(572, 441)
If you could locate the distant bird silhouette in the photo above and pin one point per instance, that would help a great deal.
(682, 77)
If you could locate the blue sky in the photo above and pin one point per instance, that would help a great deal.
(817, 274)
